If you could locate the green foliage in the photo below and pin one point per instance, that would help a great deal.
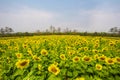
(40, 52)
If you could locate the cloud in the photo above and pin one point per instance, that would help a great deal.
(26, 19)
(99, 19)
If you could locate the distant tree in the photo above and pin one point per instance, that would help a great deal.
(95, 33)
(47, 31)
(118, 31)
(51, 28)
(59, 30)
(11, 30)
(54, 30)
(111, 29)
(114, 30)
(5, 30)
(74, 30)
(66, 30)
(2, 31)
(38, 31)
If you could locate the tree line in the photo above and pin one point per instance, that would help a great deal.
(7, 31)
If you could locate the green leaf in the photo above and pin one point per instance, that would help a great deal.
(63, 71)
(28, 76)
(75, 73)
(53, 77)
(69, 74)
(89, 70)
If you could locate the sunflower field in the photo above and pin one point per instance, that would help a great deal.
(59, 57)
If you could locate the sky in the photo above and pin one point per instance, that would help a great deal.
(82, 15)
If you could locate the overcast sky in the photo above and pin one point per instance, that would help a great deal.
(83, 15)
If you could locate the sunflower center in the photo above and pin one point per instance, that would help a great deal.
(86, 59)
(54, 70)
(44, 52)
(95, 51)
(110, 61)
(70, 53)
(36, 58)
(23, 63)
(102, 58)
(98, 67)
(62, 56)
(76, 59)
(118, 59)
(25, 46)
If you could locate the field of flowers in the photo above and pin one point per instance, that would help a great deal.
(57, 57)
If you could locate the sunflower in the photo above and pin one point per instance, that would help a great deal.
(18, 55)
(80, 78)
(68, 47)
(96, 56)
(96, 45)
(22, 63)
(55, 63)
(85, 48)
(25, 45)
(76, 59)
(102, 58)
(53, 69)
(62, 56)
(70, 53)
(36, 58)
(98, 67)
(30, 52)
(117, 60)
(95, 51)
(104, 49)
(97, 41)
(110, 60)
(44, 52)
(86, 58)
(8, 59)
(111, 44)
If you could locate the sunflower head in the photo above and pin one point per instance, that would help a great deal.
(104, 49)
(18, 55)
(36, 58)
(55, 63)
(30, 52)
(111, 43)
(86, 58)
(97, 41)
(96, 45)
(76, 59)
(102, 58)
(110, 60)
(118, 60)
(22, 64)
(54, 69)
(8, 59)
(16, 48)
(62, 56)
(95, 51)
(96, 56)
(25, 45)
(71, 52)
(85, 48)
(44, 52)
(68, 47)
(98, 67)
